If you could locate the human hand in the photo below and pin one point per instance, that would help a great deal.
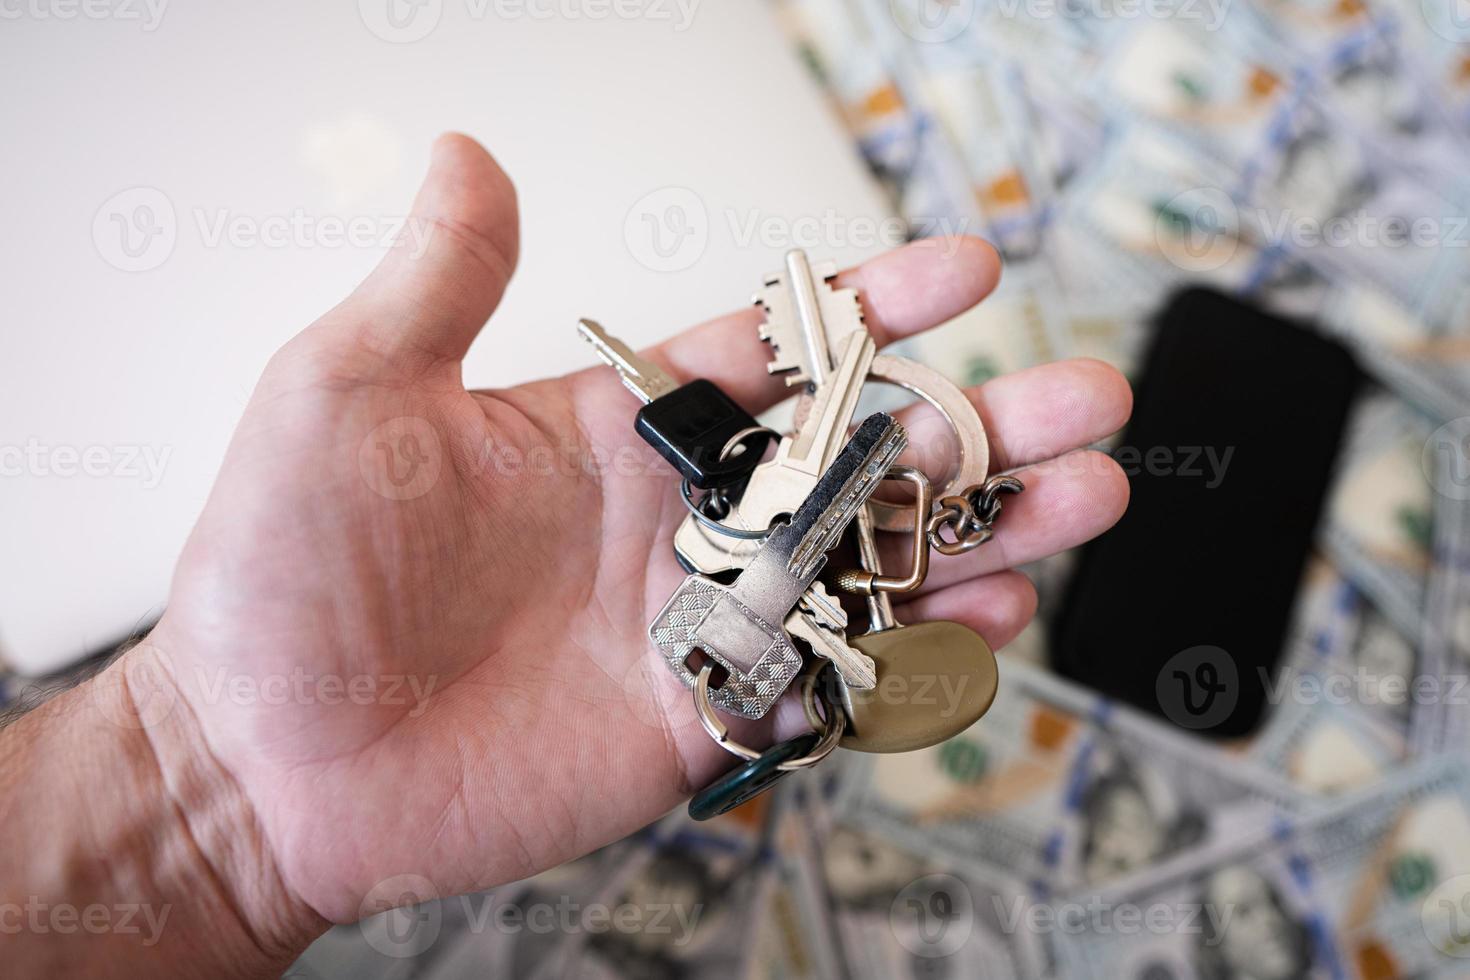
(366, 528)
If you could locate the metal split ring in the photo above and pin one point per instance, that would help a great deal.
(696, 507)
(835, 724)
(739, 438)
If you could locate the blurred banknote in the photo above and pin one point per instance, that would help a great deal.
(1055, 784)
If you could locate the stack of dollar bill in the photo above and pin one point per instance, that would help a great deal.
(1061, 837)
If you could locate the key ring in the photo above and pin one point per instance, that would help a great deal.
(831, 735)
(686, 490)
(953, 405)
(948, 400)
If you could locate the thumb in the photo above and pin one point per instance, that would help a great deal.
(445, 275)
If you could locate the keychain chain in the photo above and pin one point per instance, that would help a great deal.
(970, 516)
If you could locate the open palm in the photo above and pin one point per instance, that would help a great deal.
(410, 623)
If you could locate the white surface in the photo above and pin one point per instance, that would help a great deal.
(282, 108)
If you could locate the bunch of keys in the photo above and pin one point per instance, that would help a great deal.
(740, 647)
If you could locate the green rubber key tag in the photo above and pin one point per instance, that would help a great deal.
(749, 780)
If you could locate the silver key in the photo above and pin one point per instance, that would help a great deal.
(649, 381)
(806, 319)
(740, 627)
(857, 669)
(820, 620)
(776, 487)
(818, 336)
(824, 607)
(639, 375)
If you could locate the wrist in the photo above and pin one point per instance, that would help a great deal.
(129, 849)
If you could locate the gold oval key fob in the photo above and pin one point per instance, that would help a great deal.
(935, 680)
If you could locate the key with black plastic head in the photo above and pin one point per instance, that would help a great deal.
(695, 426)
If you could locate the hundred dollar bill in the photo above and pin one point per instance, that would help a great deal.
(846, 59)
(1438, 35)
(1375, 887)
(1019, 326)
(486, 934)
(1364, 67)
(1146, 218)
(1379, 516)
(1200, 83)
(672, 901)
(681, 905)
(1310, 181)
(1162, 206)
(1057, 784)
(1444, 723)
(1382, 64)
(1344, 696)
(867, 907)
(1328, 747)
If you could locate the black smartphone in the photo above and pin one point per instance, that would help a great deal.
(1182, 609)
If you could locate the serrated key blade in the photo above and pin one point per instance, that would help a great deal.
(824, 607)
(856, 668)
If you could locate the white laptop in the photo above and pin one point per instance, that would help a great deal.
(187, 185)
